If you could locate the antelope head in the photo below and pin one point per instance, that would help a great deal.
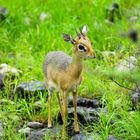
(82, 45)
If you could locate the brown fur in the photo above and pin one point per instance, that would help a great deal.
(65, 73)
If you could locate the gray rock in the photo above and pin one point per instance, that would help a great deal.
(135, 97)
(8, 70)
(82, 136)
(2, 76)
(79, 137)
(93, 103)
(1, 130)
(3, 13)
(35, 125)
(38, 105)
(133, 19)
(44, 16)
(30, 89)
(113, 138)
(37, 134)
(108, 54)
(26, 131)
(46, 133)
(127, 65)
(88, 111)
(85, 115)
(41, 133)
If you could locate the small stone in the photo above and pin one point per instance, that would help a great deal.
(133, 19)
(113, 138)
(1, 130)
(8, 70)
(127, 65)
(84, 102)
(39, 134)
(26, 131)
(35, 125)
(3, 13)
(84, 136)
(2, 76)
(108, 54)
(38, 105)
(135, 97)
(44, 16)
(30, 89)
(79, 137)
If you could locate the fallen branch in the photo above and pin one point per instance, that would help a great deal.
(122, 85)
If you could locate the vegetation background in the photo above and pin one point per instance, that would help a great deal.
(32, 28)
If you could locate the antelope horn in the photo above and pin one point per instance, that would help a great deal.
(78, 34)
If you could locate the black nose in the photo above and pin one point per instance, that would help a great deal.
(94, 57)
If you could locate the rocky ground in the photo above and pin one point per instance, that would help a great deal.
(88, 110)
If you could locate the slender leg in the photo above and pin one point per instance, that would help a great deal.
(65, 107)
(49, 109)
(65, 110)
(76, 127)
(60, 105)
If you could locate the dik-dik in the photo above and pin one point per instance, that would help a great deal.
(63, 73)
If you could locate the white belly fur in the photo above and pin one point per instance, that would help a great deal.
(52, 85)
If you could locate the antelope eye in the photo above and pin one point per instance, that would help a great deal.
(82, 48)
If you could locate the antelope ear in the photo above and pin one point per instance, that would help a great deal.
(68, 38)
(84, 30)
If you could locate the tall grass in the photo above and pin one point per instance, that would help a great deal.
(25, 40)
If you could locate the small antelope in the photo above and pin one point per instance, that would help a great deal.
(64, 73)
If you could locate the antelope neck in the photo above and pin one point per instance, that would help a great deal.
(76, 66)
(76, 60)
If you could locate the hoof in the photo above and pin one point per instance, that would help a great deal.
(76, 132)
(50, 127)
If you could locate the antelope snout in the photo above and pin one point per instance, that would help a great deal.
(93, 55)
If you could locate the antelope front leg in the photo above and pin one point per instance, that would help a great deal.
(49, 109)
(65, 108)
(60, 105)
(76, 127)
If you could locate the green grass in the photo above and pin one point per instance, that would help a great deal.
(24, 46)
